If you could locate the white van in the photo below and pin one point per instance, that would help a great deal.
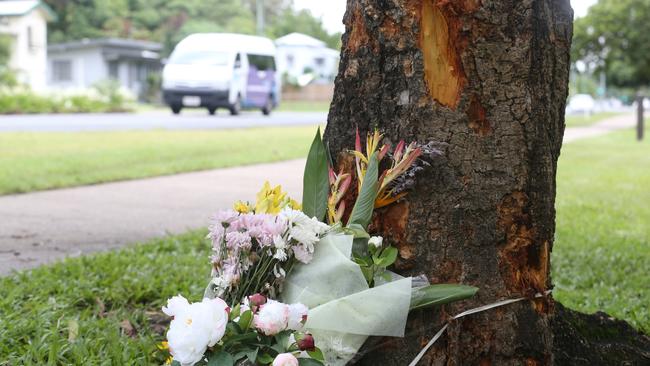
(222, 70)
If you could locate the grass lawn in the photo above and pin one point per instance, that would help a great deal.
(71, 312)
(303, 106)
(601, 257)
(583, 121)
(37, 161)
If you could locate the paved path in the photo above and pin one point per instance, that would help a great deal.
(41, 227)
(154, 120)
(601, 128)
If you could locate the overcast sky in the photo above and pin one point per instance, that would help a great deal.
(331, 11)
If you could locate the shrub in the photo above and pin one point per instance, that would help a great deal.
(24, 101)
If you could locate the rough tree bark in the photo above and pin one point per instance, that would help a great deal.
(485, 83)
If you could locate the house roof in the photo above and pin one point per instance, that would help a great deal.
(23, 7)
(127, 44)
(299, 39)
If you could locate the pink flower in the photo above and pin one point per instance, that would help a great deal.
(257, 300)
(285, 359)
(306, 343)
(272, 318)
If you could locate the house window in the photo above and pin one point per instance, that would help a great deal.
(290, 61)
(320, 61)
(113, 70)
(30, 39)
(61, 70)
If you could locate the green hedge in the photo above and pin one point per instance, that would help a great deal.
(17, 101)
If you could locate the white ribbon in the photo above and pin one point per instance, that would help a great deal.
(465, 313)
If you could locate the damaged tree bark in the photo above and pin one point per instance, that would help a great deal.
(485, 83)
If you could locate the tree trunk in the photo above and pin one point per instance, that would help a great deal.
(484, 83)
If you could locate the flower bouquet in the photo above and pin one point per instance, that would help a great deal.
(305, 284)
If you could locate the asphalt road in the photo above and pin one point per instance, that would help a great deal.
(193, 119)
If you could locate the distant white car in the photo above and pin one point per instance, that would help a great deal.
(581, 103)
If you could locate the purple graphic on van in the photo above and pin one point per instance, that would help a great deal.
(260, 84)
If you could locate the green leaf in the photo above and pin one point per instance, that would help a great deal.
(316, 354)
(221, 359)
(367, 274)
(433, 295)
(309, 362)
(316, 186)
(264, 359)
(282, 339)
(252, 355)
(176, 363)
(362, 210)
(357, 231)
(234, 313)
(245, 319)
(387, 257)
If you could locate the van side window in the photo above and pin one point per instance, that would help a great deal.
(262, 62)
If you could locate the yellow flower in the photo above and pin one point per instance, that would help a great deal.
(163, 345)
(294, 204)
(270, 200)
(243, 207)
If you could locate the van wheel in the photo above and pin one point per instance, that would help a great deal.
(268, 107)
(176, 109)
(212, 110)
(236, 107)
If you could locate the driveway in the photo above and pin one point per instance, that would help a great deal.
(192, 119)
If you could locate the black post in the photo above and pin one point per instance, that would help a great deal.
(639, 117)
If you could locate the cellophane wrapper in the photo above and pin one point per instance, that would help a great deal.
(344, 311)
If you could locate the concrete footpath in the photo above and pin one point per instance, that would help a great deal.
(42, 227)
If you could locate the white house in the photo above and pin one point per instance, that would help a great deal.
(25, 21)
(298, 54)
(81, 64)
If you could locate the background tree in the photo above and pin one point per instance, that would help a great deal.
(482, 86)
(613, 37)
(168, 21)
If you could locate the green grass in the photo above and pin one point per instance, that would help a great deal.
(40, 309)
(583, 121)
(601, 261)
(37, 161)
(303, 106)
(601, 258)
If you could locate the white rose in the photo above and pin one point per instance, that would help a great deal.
(272, 318)
(376, 241)
(194, 328)
(297, 316)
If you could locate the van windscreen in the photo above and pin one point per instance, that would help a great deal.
(199, 57)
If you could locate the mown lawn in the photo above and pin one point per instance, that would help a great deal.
(303, 106)
(601, 258)
(43, 160)
(71, 312)
(580, 120)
